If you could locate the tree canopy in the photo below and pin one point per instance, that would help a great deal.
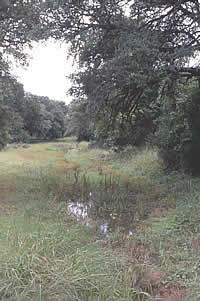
(23, 116)
(137, 69)
(121, 54)
(135, 58)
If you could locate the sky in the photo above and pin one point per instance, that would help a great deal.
(47, 72)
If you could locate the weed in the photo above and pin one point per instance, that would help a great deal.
(152, 218)
(54, 262)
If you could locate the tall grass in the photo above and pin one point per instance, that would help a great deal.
(154, 218)
(59, 263)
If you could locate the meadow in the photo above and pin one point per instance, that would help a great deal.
(138, 240)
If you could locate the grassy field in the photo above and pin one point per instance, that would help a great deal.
(151, 250)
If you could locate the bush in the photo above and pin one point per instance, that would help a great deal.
(4, 126)
(3, 138)
(178, 134)
(19, 136)
(123, 133)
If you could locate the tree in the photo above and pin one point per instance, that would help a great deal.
(20, 23)
(179, 23)
(178, 130)
(4, 117)
(13, 99)
(120, 78)
(43, 117)
(176, 24)
(78, 121)
(132, 65)
(55, 116)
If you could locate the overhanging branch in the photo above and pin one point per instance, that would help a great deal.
(194, 71)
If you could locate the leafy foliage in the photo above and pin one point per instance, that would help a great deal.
(115, 80)
(43, 117)
(126, 58)
(3, 126)
(20, 23)
(25, 116)
(78, 121)
(126, 50)
(179, 132)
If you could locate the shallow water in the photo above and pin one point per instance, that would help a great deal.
(105, 225)
(81, 212)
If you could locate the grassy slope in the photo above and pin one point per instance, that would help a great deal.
(45, 255)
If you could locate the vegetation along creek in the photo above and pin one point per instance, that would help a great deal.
(90, 222)
(100, 196)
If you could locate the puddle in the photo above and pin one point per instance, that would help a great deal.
(82, 212)
(104, 228)
(78, 210)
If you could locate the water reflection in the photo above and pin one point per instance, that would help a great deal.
(80, 211)
(104, 225)
(104, 228)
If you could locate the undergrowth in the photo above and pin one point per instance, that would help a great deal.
(55, 263)
(152, 244)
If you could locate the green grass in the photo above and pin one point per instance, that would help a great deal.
(47, 255)
(49, 261)
(174, 241)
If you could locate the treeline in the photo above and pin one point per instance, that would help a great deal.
(25, 117)
(138, 76)
(173, 127)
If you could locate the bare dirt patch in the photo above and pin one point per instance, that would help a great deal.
(150, 279)
(171, 294)
(153, 279)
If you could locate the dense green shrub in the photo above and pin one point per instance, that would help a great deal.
(178, 134)
(123, 133)
(4, 121)
(192, 149)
